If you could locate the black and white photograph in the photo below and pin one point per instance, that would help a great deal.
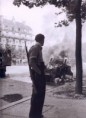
(42, 58)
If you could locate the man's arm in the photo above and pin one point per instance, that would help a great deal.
(32, 62)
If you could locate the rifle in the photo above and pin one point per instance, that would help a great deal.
(27, 53)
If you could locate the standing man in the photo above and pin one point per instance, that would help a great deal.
(37, 67)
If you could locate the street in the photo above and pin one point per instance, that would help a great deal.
(20, 73)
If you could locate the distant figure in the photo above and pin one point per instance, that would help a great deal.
(37, 68)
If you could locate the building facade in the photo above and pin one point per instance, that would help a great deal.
(13, 35)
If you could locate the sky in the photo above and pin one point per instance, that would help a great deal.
(41, 20)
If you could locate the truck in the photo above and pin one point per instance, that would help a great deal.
(5, 60)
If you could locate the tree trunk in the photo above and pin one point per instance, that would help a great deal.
(78, 53)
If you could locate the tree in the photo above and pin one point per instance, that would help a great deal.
(78, 48)
(74, 9)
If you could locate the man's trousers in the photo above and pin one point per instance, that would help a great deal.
(38, 94)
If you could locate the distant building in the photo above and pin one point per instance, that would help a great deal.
(14, 34)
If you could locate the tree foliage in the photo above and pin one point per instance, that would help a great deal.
(68, 6)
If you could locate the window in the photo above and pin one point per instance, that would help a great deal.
(12, 28)
(13, 46)
(6, 26)
(18, 29)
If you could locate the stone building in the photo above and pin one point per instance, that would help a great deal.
(13, 35)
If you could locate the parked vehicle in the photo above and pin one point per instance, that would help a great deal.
(5, 60)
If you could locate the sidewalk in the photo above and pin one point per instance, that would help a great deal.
(53, 107)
